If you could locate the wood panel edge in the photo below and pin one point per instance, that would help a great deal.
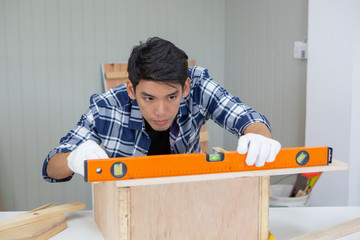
(124, 213)
(264, 185)
(336, 165)
(333, 232)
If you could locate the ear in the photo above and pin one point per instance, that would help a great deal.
(186, 88)
(130, 89)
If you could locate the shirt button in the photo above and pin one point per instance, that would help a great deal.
(143, 151)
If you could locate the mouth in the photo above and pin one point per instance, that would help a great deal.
(161, 122)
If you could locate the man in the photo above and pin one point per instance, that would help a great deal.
(159, 111)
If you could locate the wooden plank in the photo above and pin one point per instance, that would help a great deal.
(112, 75)
(204, 146)
(191, 63)
(115, 74)
(121, 67)
(124, 213)
(106, 209)
(226, 209)
(264, 207)
(333, 232)
(53, 231)
(336, 165)
(204, 136)
(39, 230)
(40, 215)
(49, 205)
(204, 140)
(108, 67)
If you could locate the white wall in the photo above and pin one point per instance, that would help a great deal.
(50, 56)
(333, 101)
(260, 68)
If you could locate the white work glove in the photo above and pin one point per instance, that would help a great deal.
(85, 151)
(259, 149)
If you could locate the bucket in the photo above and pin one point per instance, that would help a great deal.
(280, 197)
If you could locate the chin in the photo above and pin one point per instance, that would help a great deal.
(160, 128)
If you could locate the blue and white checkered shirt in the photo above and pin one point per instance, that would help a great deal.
(116, 121)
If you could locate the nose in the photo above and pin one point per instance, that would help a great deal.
(161, 109)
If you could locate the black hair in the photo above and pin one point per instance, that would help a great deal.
(158, 60)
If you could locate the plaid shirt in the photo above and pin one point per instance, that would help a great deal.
(116, 121)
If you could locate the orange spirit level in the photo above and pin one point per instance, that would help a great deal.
(198, 163)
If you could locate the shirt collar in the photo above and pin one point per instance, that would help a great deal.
(136, 120)
(183, 110)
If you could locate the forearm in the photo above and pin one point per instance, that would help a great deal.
(57, 167)
(258, 128)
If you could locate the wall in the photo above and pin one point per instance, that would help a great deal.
(50, 55)
(333, 102)
(259, 64)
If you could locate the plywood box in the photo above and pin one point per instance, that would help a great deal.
(213, 206)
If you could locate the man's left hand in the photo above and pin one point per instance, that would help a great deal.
(259, 149)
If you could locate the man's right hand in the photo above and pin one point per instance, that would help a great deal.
(87, 150)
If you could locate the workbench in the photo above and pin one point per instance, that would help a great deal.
(284, 223)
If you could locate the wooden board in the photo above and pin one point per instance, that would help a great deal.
(111, 210)
(114, 74)
(39, 215)
(334, 166)
(264, 193)
(223, 209)
(226, 206)
(333, 232)
(198, 210)
(39, 230)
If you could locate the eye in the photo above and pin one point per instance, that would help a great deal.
(148, 99)
(173, 97)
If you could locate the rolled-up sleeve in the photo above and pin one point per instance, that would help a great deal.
(83, 131)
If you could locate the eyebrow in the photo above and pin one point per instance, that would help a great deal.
(149, 95)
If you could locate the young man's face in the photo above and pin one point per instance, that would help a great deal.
(158, 102)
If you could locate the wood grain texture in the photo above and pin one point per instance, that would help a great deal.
(41, 214)
(39, 230)
(226, 209)
(264, 193)
(115, 74)
(111, 75)
(106, 209)
(49, 205)
(336, 165)
(333, 232)
(124, 214)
